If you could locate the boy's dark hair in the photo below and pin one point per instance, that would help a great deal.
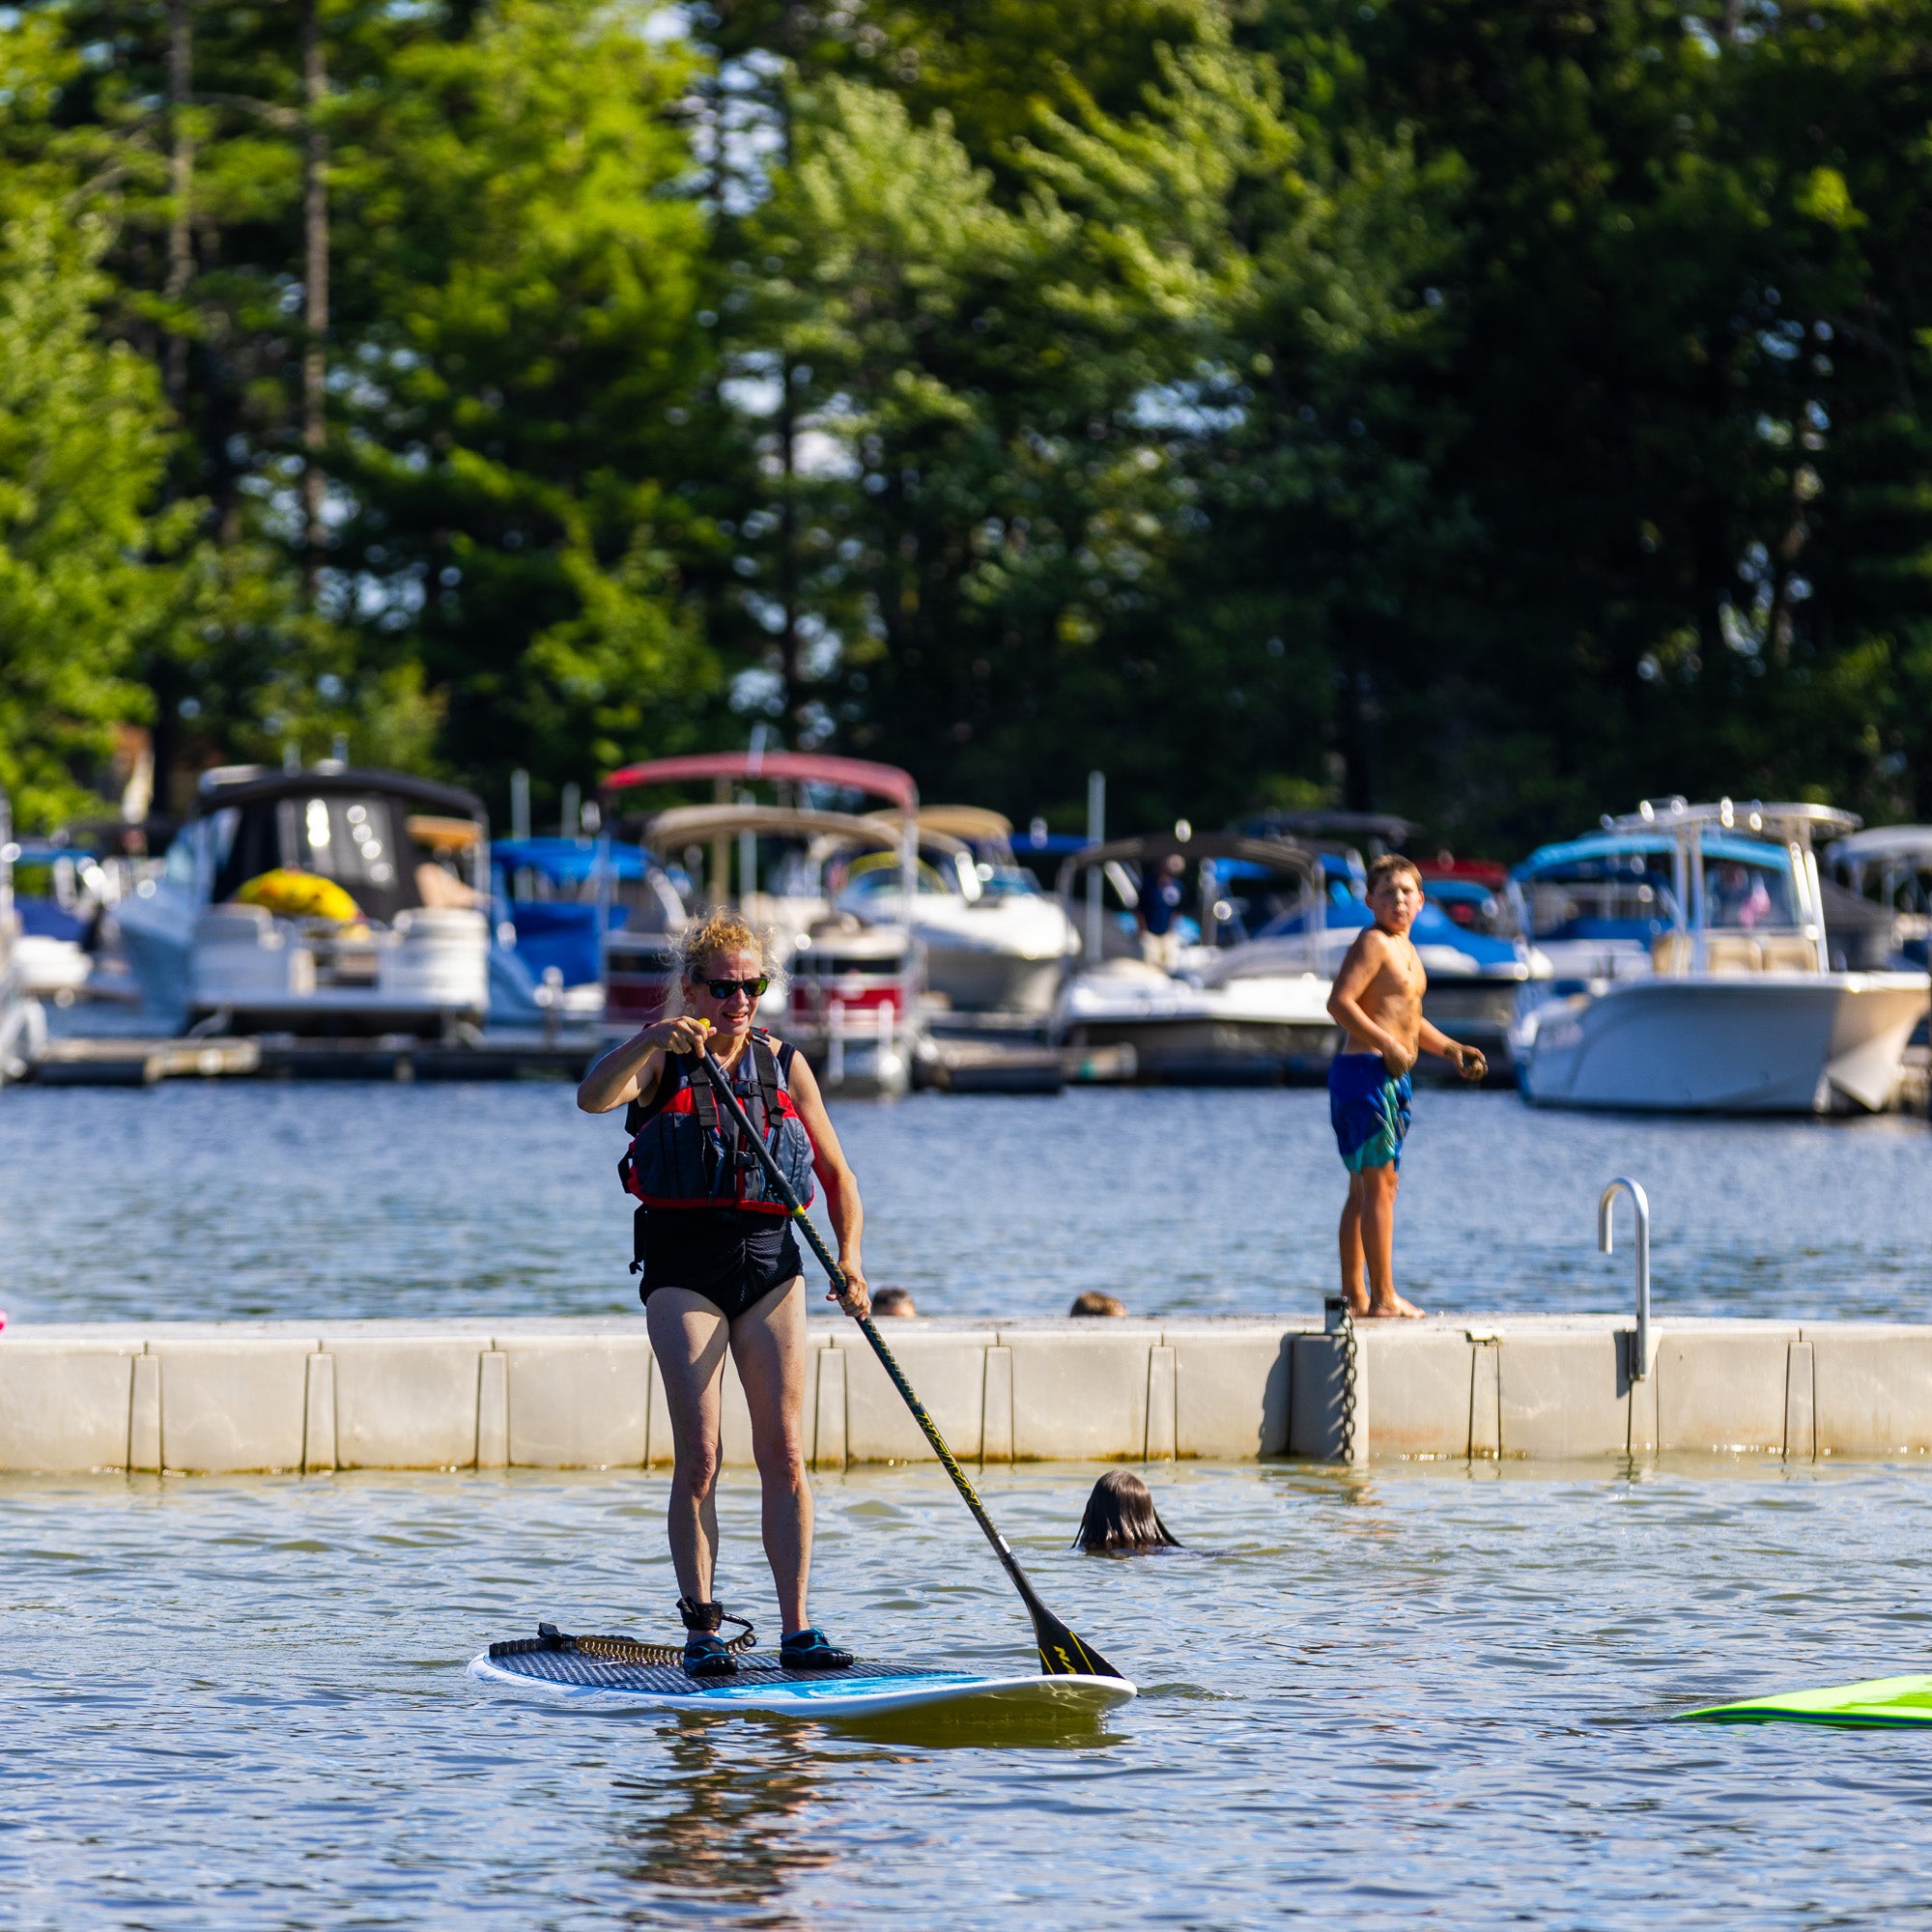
(1390, 864)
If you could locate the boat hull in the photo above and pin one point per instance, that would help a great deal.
(1478, 1012)
(1257, 1031)
(1721, 1043)
(977, 980)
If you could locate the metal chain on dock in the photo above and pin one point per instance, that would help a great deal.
(1351, 1361)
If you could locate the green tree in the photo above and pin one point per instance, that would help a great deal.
(522, 440)
(83, 445)
(1676, 379)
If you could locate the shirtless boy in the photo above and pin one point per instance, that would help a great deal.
(1378, 1003)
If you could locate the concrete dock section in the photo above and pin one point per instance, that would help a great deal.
(224, 1396)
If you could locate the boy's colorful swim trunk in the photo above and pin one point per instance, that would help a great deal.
(1368, 1107)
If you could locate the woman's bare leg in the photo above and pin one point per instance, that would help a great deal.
(689, 1336)
(769, 1344)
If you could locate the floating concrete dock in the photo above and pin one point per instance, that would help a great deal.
(116, 1059)
(224, 1396)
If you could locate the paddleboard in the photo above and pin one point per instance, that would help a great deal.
(762, 1684)
(1878, 1703)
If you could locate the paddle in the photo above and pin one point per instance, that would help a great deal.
(1062, 1654)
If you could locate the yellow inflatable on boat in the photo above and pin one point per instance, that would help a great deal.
(293, 894)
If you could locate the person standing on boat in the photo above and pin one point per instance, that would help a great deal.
(1159, 911)
(722, 1270)
(1376, 1001)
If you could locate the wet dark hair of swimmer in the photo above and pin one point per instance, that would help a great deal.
(1121, 1516)
(1092, 1303)
(894, 1301)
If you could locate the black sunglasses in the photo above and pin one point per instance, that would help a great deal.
(753, 989)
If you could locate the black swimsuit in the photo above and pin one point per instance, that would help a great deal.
(730, 1256)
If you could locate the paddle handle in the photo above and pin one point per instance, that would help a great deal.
(1060, 1650)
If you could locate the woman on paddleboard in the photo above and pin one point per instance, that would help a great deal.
(721, 1268)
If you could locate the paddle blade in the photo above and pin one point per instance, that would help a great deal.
(1062, 1654)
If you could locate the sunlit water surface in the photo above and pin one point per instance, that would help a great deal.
(1416, 1697)
(259, 1199)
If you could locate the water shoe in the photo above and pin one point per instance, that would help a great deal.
(705, 1656)
(808, 1650)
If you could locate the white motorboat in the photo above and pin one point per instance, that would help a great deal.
(853, 999)
(402, 944)
(994, 943)
(1242, 1010)
(1691, 970)
(24, 1024)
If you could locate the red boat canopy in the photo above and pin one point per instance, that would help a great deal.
(885, 782)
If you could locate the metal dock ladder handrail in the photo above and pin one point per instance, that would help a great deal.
(1641, 1202)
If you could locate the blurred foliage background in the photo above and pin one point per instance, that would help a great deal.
(1491, 413)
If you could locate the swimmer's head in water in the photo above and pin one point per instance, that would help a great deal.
(1091, 1302)
(1121, 1516)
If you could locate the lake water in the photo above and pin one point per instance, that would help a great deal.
(225, 1200)
(1407, 1697)
(1420, 1696)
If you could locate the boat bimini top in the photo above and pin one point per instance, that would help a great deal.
(365, 830)
(858, 775)
(753, 767)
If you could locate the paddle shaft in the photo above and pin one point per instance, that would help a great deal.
(1061, 1653)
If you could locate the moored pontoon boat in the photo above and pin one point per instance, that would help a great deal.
(853, 1002)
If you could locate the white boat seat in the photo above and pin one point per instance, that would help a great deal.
(1736, 953)
(1732, 952)
(1789, 953)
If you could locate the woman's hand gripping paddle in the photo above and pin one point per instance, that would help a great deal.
(1062, 1654)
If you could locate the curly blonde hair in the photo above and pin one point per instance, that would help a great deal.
(722, 930)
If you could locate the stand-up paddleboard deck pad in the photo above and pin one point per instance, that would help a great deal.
(1877, 1704)
(867, 1690)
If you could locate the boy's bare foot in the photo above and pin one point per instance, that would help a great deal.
(1396, 1305)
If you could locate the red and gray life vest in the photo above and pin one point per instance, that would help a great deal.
(687, 1152)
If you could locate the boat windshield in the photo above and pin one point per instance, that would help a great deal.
(1006, 882)
(1743, 895)
(1618, 896)
(1591, 892)
(1473, 906)
(876, 877)
(360, 841)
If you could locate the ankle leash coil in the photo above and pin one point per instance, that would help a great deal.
(623, 1649)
